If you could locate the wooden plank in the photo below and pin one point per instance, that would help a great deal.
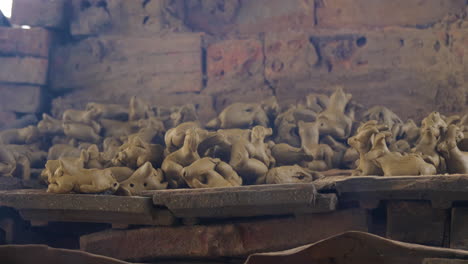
(444, 261)
(37, 205)
(23, 70)
(40, 13)
(245, 201)
(416, 222)
(171, 63)
(237, 239)
(441, 190)
(25, 42)
(20, 98)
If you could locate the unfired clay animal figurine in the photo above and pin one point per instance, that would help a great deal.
(143, 179)
(240, 115)
(427, 145)
(108, 111)
(317, 102)
(50, 126)
(457, 160)
(394, 163)
(82, 132)
(37, 158)
(250, 158)
(183, 157)
(174, 137)
(285, 154)
(322, 154)
(362, 143)
(138, 109)
(86, 181)
(58, 151)
(7, 162)
(286, 124)
(118, 129)
(291, 174)
(21, 136)
(150, 129)
(135, 153)
(210, 173)
(77, 116)
(121, 173)
(334, 121)
(435, 122)
(382, 115)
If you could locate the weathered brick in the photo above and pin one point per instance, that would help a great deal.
(343, 13)
(408, 70)
(25, 42)
(20, 98)
(40, 13)
(416, 222)
(223, 240)
(171, 63)
(26, 70)
(234, 63)
(275, 15)
(6, 118)
(98, 17)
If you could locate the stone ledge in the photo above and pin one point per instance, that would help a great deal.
(245, 201)
(39, 206)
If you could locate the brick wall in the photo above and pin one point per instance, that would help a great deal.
(411, 55)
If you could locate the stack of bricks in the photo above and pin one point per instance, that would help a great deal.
(24, 57)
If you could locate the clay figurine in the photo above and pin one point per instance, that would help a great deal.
(82, 132)
(210, 173)
(150, 129)
(286, 124)
(250, 158)
(457, 160)
(121, 173)
(427, 145)
(138, 109)
(77, 116)
(183, 157)
(335, 121)
(7, 162)
(291, 174)
(50, 126)
(58, 151)
(322, 154)
(394, 163)
(135, 153)
(174, 137)
(285, 154)
(21, 136)
(37, 158)
(85, 181)
(240, 115)
(181, 114)
(108, 111)
(382, 115)
(143, 179)
(362, 143)
(118, 129)
(317, 102)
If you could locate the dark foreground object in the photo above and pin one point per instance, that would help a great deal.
(362, 248)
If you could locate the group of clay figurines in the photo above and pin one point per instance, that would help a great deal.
(109, 148)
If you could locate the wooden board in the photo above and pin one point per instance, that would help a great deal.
(172, 63)
(442, 191)
(245, 201)
(39, 206)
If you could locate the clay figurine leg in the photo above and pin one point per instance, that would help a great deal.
(251, 170)
(60, 187)
(228, 173)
